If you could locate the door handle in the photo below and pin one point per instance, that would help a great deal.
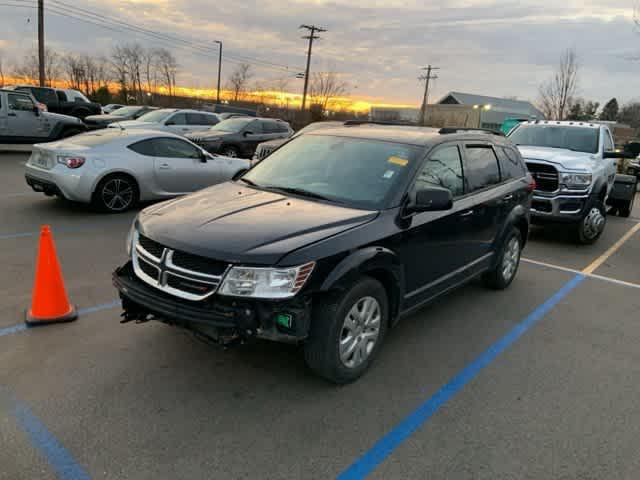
(468, 213)
(507, 198)
(165, 166)
(11, 114)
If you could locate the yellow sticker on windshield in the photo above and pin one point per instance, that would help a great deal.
(403, 162)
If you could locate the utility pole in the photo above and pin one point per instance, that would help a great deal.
(311, 37)
(41, 41)
(426, 78)
(219, 69)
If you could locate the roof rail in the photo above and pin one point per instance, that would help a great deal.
(450, 130)
(353, 123)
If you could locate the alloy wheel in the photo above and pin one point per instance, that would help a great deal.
(117, 194)
(360, 332)
(510, 259)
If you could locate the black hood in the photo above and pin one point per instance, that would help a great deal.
(239, 224)
(106, 119)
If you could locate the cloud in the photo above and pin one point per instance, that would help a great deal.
(505, 47)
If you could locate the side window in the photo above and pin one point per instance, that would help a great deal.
(608, 142)
(482, 167)
(174, 148)
(178, 119)
(145, 147)
(194, 119)
(511, 165)
(210, 120)
(282, 128)
(61, 95)
(254, 127)
(443, 169)
(20, 102)
(269, 127)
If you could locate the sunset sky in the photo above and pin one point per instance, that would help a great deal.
(503, 48)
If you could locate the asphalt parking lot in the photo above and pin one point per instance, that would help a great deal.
(538, 381)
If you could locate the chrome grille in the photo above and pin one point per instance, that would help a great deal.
(175, 272)
(546, 176)
(263, 151)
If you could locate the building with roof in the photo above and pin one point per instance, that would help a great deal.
(490, 112)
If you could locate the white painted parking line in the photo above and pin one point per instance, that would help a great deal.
(590, 275)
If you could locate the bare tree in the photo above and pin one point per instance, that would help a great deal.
(325, 88)
(557, 94)
(74, 70)
(167, 68)
(1, 69)
(239, 79)
(120, 68)
(150, 71)
(135, 53)
(27, 70)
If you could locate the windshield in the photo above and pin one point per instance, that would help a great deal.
(125, 111)
(578, 139)
(232, 125)
(156, 116)
(358, 172)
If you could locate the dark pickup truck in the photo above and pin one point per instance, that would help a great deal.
(65, 101)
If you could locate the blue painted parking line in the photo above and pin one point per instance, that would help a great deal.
(21, 327)
(392, 440)
(58, 457)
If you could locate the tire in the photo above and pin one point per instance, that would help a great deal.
(508, 262)
(231, 151)
(333, 322)
(70, 132)
(625, 208)
(122, 186)
(591, 226)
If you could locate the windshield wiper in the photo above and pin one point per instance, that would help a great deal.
(300, 191)
(249, 182)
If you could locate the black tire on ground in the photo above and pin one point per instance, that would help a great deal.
(70, 132)
(507, 264)
(584, 230)
(328, 324)
(230, 151)
(625, 208)
(116, 193)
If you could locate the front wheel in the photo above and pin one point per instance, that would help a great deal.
(508, 262)
(347, 331)
(592, 224)
(625, 208)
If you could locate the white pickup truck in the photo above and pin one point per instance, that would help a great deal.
(574, 166)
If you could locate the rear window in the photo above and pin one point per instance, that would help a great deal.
(482, 166)
(511, 164)
(42, 95)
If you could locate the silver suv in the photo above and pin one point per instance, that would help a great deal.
(22, 121)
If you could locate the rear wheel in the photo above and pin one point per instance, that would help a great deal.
(508, 262)
(116, 193)
(592, 224)
(624, 209)
(347, 331)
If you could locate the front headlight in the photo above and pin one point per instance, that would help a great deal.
(132, 230)
(575, 181)
(273, 283)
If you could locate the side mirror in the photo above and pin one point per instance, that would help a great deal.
(169, 123)
(36, 110)
(618, 154)
(204, 156)
(430, 200)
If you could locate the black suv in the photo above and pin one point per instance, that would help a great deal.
(65, 101)
(239, 136)
(331, 239)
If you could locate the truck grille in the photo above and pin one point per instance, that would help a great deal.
(178, 273)
(263, 151)
(546, 176)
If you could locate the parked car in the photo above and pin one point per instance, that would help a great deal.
(227, 115)
(265, 148)
(574, 166)
(115, 169)
(64, 101)
(22, 121)
(94, 122)
(239, 137)
(111, 107)
(331, 239)
(174, 120)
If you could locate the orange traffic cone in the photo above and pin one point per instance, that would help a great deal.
(49, 303)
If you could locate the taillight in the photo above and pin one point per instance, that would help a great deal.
(71, 162)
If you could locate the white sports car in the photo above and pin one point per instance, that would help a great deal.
(114, 169)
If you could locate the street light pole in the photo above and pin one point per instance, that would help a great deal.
(219, 68)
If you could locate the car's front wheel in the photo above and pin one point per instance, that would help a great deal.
(347, 331)
(116, 193)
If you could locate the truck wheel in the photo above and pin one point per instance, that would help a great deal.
(70, 132)
(624, 208)
(508, 262)
(347, 331)
(116, 193)
(589, 229)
